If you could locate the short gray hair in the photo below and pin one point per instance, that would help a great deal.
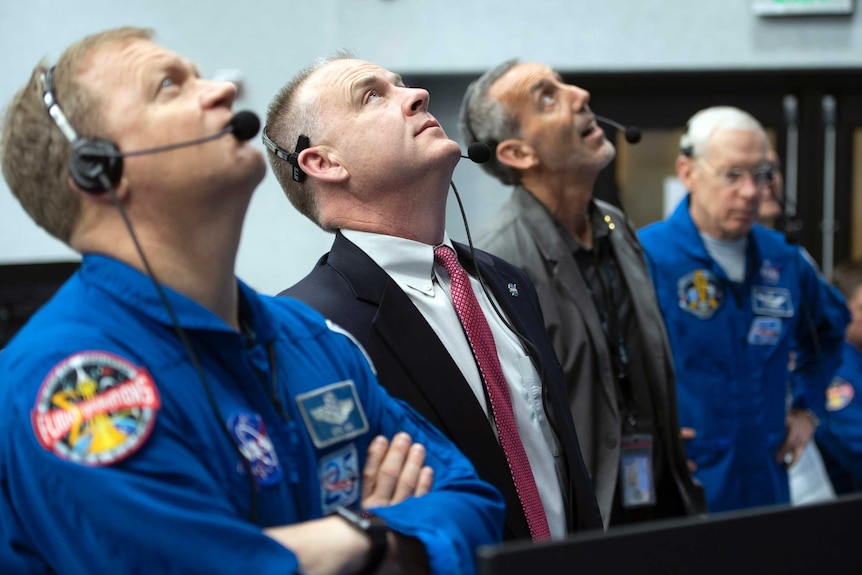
(704, 123)
(486, 120)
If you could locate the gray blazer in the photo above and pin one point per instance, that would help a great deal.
(526, 234)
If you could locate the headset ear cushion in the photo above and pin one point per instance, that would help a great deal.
(92, 158)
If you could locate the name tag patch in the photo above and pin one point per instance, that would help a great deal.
(772, 301)
(333, 413)
(764, 331)
(339, 479)
(95, 408)
(256, 447)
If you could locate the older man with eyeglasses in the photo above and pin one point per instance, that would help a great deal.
(737, 299)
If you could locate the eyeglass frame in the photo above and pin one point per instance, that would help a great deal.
(733, 177)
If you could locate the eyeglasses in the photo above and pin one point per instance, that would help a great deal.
(761, 175)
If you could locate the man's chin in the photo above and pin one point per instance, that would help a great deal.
(743, 229)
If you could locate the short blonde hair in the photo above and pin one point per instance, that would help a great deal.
(35, 153)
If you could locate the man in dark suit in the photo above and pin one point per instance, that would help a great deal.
(359, 154)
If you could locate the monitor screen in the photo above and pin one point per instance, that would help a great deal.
(817, 538)
(24, 288)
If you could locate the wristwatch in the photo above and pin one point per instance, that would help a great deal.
(375, 528)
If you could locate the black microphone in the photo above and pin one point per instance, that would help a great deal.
(632, 133)
(243, 125)
(478, 152)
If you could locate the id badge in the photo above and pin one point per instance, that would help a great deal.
(636, 471)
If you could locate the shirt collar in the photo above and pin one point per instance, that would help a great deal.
(408, 262)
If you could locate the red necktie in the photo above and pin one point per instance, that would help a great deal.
(485, 351)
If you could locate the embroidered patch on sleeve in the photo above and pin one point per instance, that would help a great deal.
(95, 408)
(339, 479)
(764, 331)
(255, 445)
(774, 301)
(699, 293)
(332, 413)
(839, 394)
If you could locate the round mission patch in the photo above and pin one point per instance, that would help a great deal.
(839, 394)
(95, 408)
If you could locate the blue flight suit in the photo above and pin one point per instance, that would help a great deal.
(839, 436)
(117, 457)
(731, 343)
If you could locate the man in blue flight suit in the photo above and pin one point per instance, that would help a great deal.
(737, 299)
(840, 435)
(193, 425)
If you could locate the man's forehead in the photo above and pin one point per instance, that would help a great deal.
(522, 80)
(135, 56)
(348, 72)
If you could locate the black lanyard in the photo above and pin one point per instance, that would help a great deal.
(607, 275)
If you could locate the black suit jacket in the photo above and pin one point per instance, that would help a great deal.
(350, 289)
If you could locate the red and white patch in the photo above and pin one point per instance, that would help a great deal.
(839, 394)
(95, 408)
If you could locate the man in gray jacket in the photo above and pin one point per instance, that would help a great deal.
(599, 305)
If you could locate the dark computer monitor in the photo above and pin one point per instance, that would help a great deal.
(24, 288)
(823, 538)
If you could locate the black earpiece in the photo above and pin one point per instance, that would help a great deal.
(302, 143)
(92, 160)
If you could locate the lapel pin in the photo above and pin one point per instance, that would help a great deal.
(513, 289)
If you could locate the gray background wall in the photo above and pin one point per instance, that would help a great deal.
(270, 40)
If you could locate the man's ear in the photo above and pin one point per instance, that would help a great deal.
(516, 154)
(685, 170)
(322, 163)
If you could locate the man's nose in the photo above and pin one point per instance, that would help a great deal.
(417, 100)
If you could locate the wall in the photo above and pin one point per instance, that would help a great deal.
(270, 40)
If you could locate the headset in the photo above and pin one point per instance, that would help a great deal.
(302, 143)
(93, 162)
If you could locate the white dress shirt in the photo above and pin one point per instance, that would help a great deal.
(411, 265)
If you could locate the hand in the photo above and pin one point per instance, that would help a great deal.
(800, 426)
(394, 471)
(328, 546)
(686, 433)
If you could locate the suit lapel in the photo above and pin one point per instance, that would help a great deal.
(568, 276)
(431, 369)
(412, 342)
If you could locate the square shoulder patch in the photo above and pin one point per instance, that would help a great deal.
(333, 413)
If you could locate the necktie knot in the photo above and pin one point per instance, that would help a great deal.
(446, 257)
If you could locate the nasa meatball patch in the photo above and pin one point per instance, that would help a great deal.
(95, 408)
(256, 447)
